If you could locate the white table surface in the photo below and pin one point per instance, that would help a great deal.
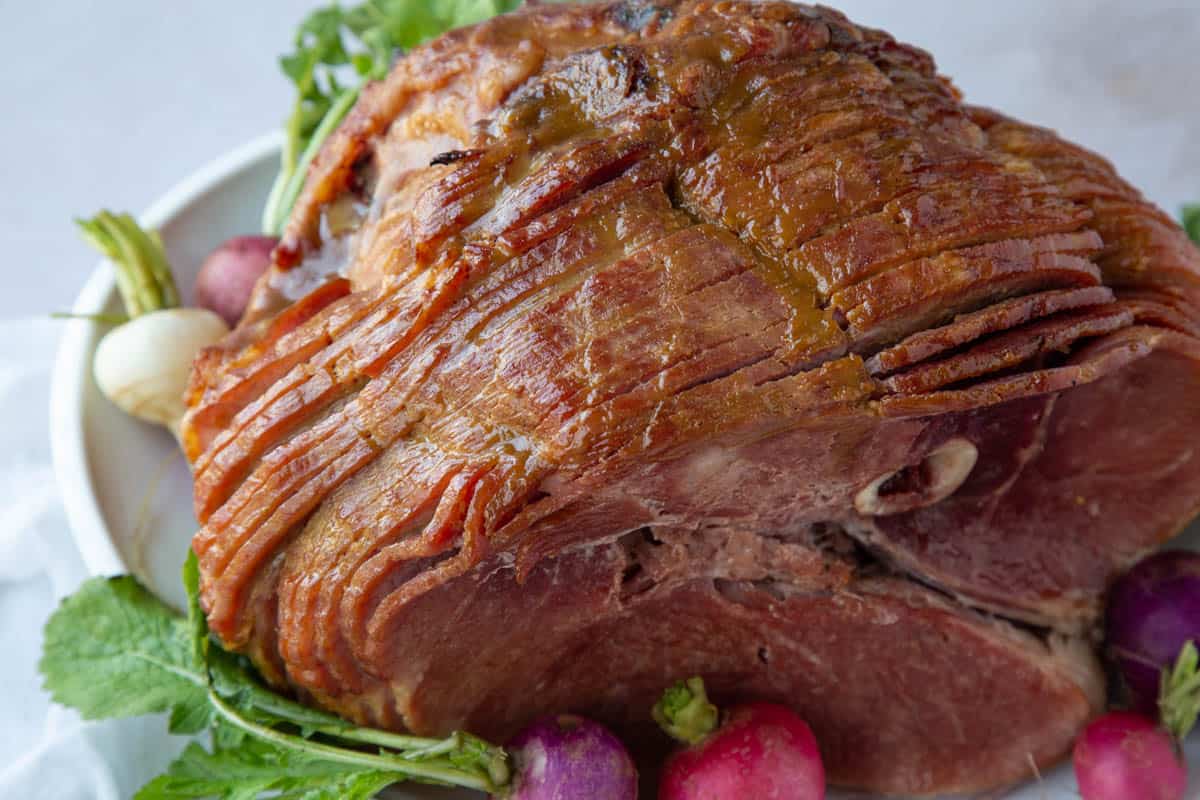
(107, 104)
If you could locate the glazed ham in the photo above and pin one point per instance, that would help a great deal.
(617, 343)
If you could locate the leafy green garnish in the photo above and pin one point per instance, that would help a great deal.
(1179, 697)
(137, 656)
(337, 50)
(1190, 219)
(114, 650)
(252, 768)
(144, 278)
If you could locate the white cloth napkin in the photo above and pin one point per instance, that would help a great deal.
(47, 751)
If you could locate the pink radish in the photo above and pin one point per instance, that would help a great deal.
(229, 273)
(1123, 755)
(761, 750)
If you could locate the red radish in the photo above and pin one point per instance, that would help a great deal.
(565, 757)
(1122, 755)
(761, 751)
(229, 273)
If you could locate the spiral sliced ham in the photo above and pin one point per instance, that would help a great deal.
(617, 343)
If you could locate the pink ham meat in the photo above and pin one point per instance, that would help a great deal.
(615, 343)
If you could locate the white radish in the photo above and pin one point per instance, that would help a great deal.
(143, 365)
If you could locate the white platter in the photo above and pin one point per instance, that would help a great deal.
(126, 487)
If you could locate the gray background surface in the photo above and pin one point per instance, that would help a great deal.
(108, 104)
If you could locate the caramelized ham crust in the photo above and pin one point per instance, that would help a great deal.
(615, 343)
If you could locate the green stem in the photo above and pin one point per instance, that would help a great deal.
(411, 746)
(155, 253)
(97, 232)
(143, 276)
(685, 713)
(287, 165)
(271, 209)
(285, 710)
(129, 259)
(463, 747)
(103, 319)
(436, 771)
(436, 748)
(277, 212)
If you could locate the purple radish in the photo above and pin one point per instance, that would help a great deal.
(565, 757)
(1153, 611)
(228, 275)
(1122, 756)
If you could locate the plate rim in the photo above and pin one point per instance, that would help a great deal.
(72, 362)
